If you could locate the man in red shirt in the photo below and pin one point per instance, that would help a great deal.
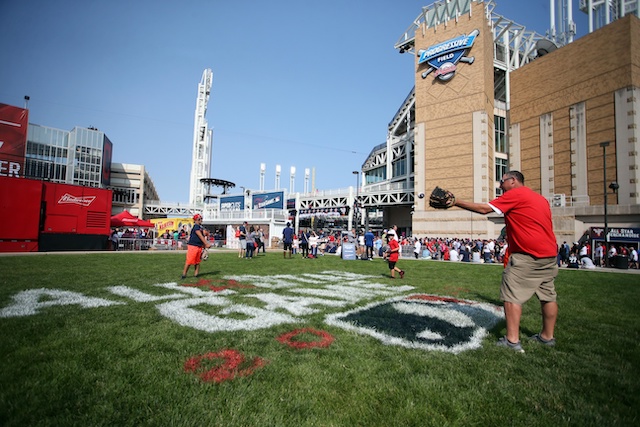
(532, 265)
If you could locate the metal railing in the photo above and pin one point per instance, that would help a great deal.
(211, 213)
(387, 187)
(134, 244)
(562, 201)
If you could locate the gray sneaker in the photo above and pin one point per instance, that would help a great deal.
(504, 342)
(538, 338)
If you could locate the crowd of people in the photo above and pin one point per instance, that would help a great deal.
(581, 255)
(142, 236)
(311, 244)
(252, 239)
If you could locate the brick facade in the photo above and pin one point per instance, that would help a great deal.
(594, 81)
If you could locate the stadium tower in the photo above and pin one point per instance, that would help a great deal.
(202, 142)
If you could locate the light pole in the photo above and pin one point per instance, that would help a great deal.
(356, 210)
(604, 146)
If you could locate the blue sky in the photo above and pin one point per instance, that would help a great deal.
(295, 83)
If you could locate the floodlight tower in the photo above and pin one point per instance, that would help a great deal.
(603, 12)
(563, 29)
(202, 142)
(263, 168)
(307, 172)
(292, 180)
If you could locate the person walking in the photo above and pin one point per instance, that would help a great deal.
(260, 240)
(114, 239)
(197, 242)
(394, 255)
(633, 258)
(368, 244)
(243, 239)
(251, 243)
(287, 240)
(416, 248)
(313, 245)
(304, 243)
(532, 266)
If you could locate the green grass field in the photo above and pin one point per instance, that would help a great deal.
(119, 340)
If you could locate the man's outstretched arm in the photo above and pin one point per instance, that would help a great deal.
(481, 208)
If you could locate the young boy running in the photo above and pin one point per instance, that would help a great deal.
(393, 255)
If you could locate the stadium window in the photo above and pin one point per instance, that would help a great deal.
(400, 167)
(500, 134)
(501, 168)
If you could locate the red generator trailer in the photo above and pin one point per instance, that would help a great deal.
(44, 216)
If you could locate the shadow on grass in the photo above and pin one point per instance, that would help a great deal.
(209, 273)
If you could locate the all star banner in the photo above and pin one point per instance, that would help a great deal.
(13, 140)
(274, 200)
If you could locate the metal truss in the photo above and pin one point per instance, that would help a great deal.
(403, 111)
(151, 209)
(324, 201)
(371, 199)
(377, 158)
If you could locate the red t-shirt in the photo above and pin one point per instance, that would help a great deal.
(528, 219)
(394, 248)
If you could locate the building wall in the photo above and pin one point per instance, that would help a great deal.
(563, 106)
(454, 129)
(74, 157)
(132, 187)
(588, 71)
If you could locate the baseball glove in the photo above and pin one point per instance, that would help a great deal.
(205, 254)
(441, 198)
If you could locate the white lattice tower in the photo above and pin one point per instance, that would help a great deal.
(202, 142)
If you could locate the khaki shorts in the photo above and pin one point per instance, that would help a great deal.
(525, 276)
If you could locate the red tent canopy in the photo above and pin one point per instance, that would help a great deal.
(125, 219)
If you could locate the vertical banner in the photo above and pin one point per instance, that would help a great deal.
(107, 150)
(14, 122)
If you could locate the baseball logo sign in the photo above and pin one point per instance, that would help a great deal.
(443, 57)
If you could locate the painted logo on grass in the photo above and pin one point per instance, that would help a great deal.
(253, 302)
(233, 365)
(427, 322)
(293, 340)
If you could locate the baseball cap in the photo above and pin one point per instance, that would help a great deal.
(197, 217)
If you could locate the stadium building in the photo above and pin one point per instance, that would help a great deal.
(489, 97)
(82, 156)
